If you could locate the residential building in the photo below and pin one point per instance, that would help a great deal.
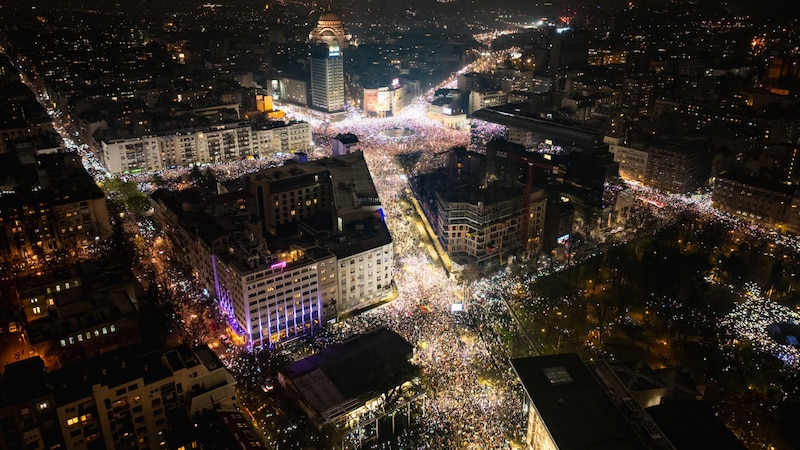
(485, 99)
(122, 153)
(274, 137)
(310, 246)
(330, 31)
(679, 167)
(28, 417)
(55, 206)
(761, 202)
(129, 400)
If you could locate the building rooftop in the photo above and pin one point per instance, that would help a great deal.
(23, 381)
(346, 138)
(561, 133)
(692, 424)
(574, 406)
(742, 176)
(352, 372)
(121, 366)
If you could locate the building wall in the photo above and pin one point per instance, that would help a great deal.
(79, 223)
(153, 153)
(294, 137)
(293, 91)
(40, 226)
(364, 278)
(484, 232)
(327, 81)
(677, 171)
(274, 302)
(479, 100)
(632, 162)
(538, 438)
(291, 198)
(756, 205)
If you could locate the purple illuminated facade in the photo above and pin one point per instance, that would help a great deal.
(277, 300)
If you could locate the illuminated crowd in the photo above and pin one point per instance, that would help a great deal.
(756, 320)
(473, 399)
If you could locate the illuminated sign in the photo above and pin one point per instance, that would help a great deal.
(333, 50)
(278, 265)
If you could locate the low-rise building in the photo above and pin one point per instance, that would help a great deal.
(772, 205)
(339, 385)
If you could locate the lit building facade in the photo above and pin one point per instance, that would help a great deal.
(482, 231)
(176, 148)
(632, 161)
(485, 99)
(279, 297)
(327, 78)
(386, 100)
(365, 277)
(128, 403)
(568, 408)
(65, 212)
(760, 202)
(281, 137)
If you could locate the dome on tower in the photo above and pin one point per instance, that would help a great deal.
(329, 30)
(329, 16)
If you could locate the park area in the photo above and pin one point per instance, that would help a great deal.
(698, 295)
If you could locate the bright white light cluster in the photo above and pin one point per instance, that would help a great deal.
(750, 319)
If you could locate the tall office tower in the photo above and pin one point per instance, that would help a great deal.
(327, 78)
(564, 49)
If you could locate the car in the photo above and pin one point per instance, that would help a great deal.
(12, 327)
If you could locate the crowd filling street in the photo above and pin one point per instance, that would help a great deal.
(472, 398)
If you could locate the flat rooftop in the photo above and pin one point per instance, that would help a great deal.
(575, 408)
(358, 369)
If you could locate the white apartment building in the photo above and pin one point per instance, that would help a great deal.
(279, 137)
(279, 297)
(125, 402)
(365, 278)
(479, 100)
(201, 145)
(125, 154)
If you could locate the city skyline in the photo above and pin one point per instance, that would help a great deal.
(399, 225)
